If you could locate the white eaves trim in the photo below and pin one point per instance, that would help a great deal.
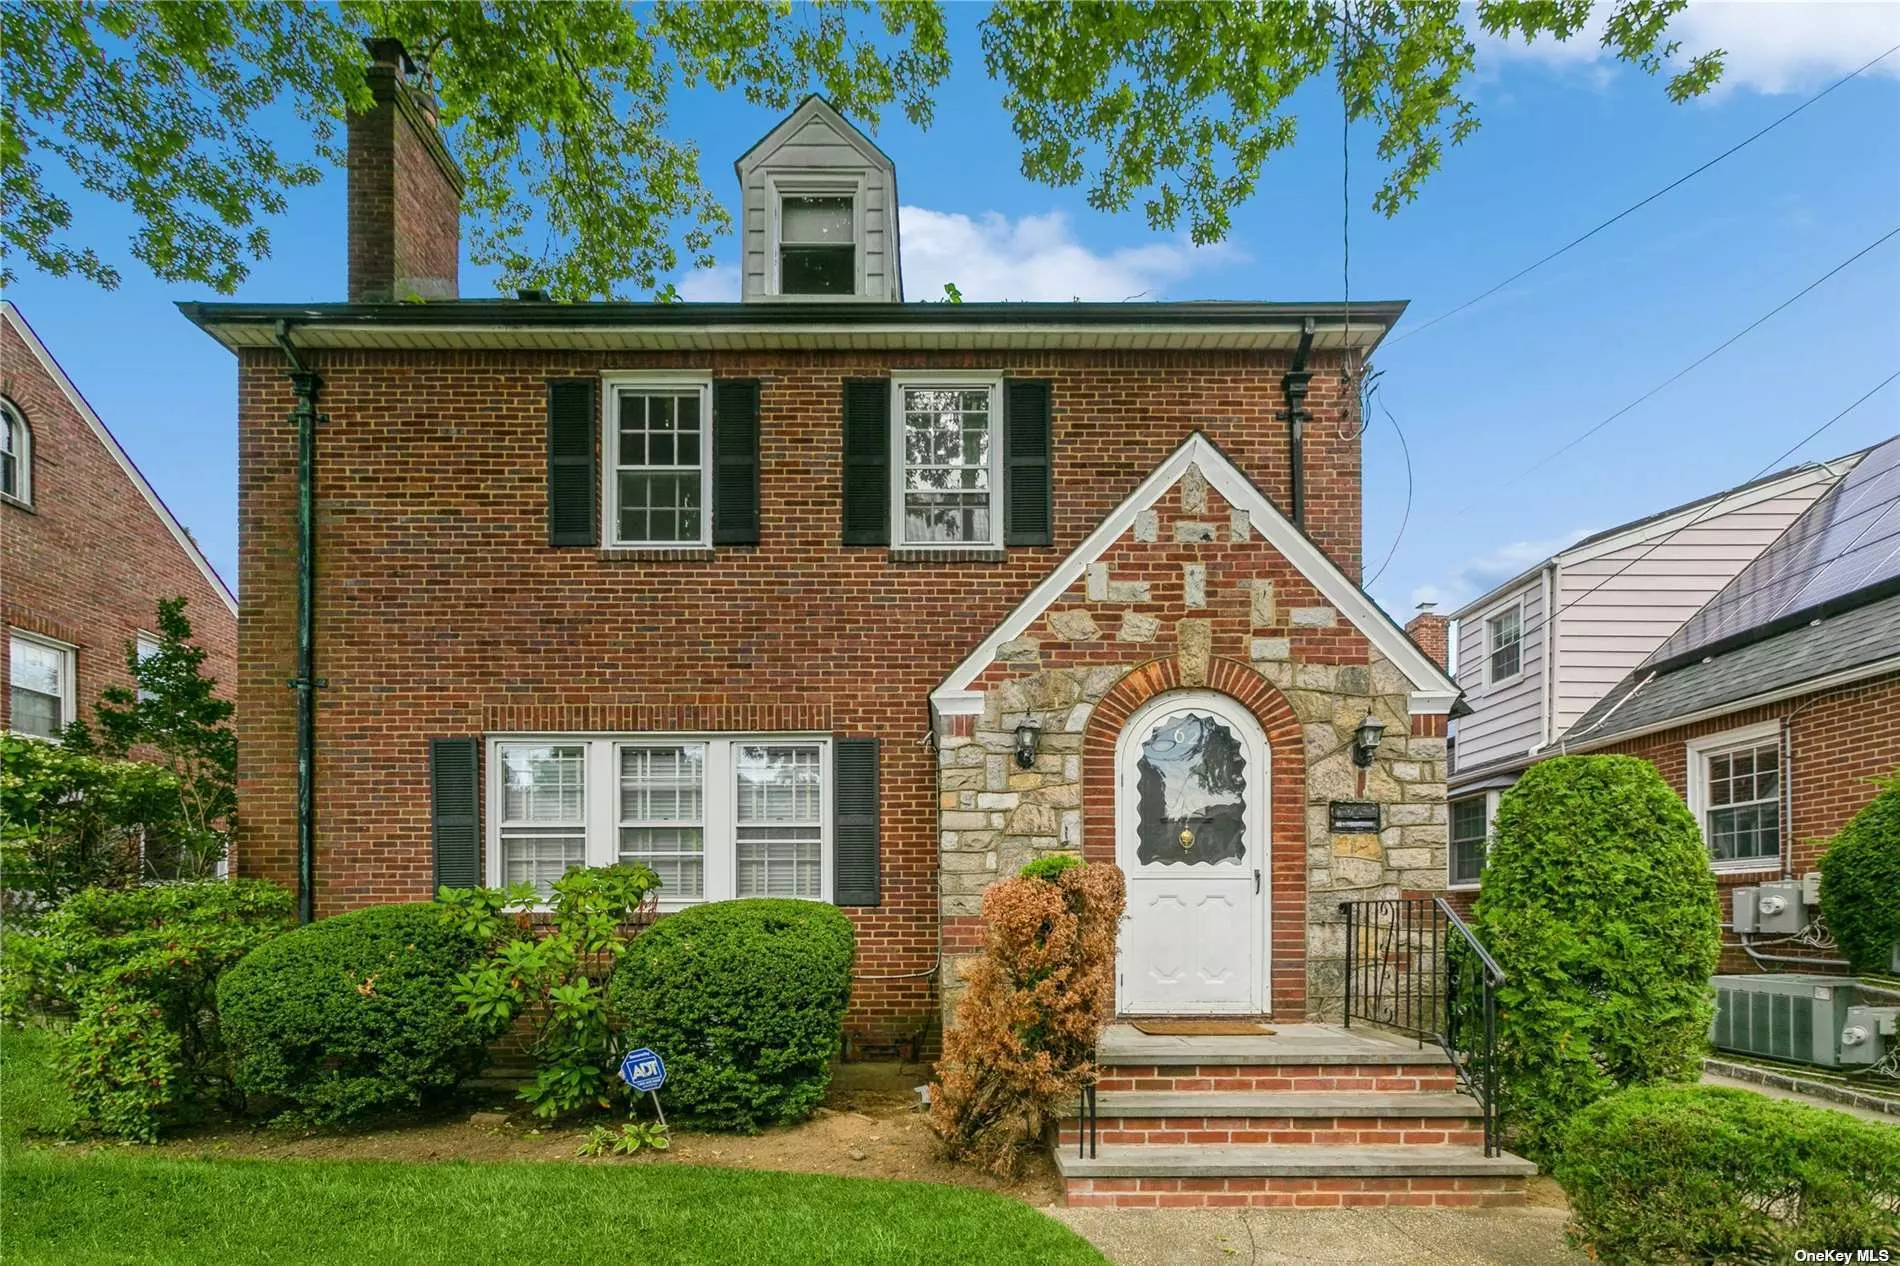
(1432, 690)
(71, 392)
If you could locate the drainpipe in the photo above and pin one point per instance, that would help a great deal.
(1294, 383)
(306, 384)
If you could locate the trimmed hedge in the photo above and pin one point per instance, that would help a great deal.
(745, 1002)
(354, 1013)
(1600, 906)
(1666, 1174)
(1860, 883)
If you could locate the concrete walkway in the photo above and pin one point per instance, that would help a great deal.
(1257, 1237)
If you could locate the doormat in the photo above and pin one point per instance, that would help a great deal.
(1203, 1028)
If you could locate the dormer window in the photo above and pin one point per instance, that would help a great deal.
(817, 246)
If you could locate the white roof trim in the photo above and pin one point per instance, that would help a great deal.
(18, 322)
(1433, 691)
(813, 106)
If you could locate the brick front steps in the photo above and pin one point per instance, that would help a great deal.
(1311, 1117)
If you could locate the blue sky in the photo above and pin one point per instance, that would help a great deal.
(1567, 140)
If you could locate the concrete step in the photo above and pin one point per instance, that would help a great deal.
(1202, 1176)
(1289, 1044)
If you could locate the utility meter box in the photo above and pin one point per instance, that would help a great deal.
(1811, 889)
(1869, 1034)
(1792, 1016)
(1779, 908)
(1742, 908)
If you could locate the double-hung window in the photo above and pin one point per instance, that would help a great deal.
(1470, 836)
(1735, 790)
(147, 646)
(949, 440)
(1504, 644)
(16, 456)
(657, 490)
(715, 817)
(543, 819)
(41, 698)
(817, 244)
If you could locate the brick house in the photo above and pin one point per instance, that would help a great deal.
(87, 549)
(763, 594)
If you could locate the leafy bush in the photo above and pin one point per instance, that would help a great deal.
(1860, 883)
(1667, 1174)
(546, 974)
(745, 1002)
(1600, 907)
(1026, 1026)
(72, 819)
(138, 970)
(1049, 866)
(354, 1013)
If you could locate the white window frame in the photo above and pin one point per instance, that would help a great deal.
(612, 386)
(1490, 826)
(145, 646)
(1484, 640)
(15, 421)
(817, 183)
(720, 807)
(1698, 751)
(949, 380)
(68, 679)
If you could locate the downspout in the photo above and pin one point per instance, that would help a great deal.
(306, 384)
(1295, 383)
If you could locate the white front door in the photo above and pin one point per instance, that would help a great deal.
(1191, 830)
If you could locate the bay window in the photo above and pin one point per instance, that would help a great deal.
(715, 817)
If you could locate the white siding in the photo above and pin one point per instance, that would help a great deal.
(815, 143)
(1507, 717)
(1616, 607)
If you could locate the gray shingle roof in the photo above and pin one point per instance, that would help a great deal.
(1862, 636)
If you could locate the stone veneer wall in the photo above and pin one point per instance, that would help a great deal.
(1191, 598)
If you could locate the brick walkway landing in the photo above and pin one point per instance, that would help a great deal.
(1314, 1116)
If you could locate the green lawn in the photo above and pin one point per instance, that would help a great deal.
(100, 1205)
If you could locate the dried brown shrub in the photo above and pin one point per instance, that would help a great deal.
(1024, 1040)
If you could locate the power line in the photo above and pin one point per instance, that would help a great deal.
(1634, 207)
(1406, 517)
(1699, 361)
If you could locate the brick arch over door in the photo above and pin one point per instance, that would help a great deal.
(1287, 828)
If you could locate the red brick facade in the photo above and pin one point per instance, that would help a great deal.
(442, 610)
(405, 193)
(1837, 742)
(87, 562)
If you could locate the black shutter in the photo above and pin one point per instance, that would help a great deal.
(455, 812)
(572, 493)
(735, 461)
(867, 461)
(1028, 511)
(854, 822)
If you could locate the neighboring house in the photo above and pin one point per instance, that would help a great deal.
(1774, 708)
(822, 594)
(87, 550)
(1535, 654)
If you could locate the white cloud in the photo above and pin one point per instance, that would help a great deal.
(1479, 575)
(1772, 46)
(1036, 257)
(711, 285)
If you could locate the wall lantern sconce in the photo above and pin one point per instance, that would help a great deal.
(1028, 738)
(1365, 740)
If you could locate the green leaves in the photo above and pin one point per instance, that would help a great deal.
(1860, 883)
(560, 111)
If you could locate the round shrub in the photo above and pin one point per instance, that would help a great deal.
(353, 1014)
(1599, 905)
(1860, 883)
(1665, 1174)
(745, 1001)
(1049, 866)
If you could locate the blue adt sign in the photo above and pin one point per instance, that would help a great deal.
(643, 1070)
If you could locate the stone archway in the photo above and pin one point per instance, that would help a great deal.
(1287, 852)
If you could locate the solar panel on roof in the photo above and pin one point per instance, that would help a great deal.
(1847, 541)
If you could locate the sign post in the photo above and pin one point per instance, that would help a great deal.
(645, 1072)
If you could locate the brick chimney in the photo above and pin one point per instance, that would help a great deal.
(1429, 629)
(405, 191)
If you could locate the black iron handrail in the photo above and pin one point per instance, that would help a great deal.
(1085, 1120)
(1412, 965)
